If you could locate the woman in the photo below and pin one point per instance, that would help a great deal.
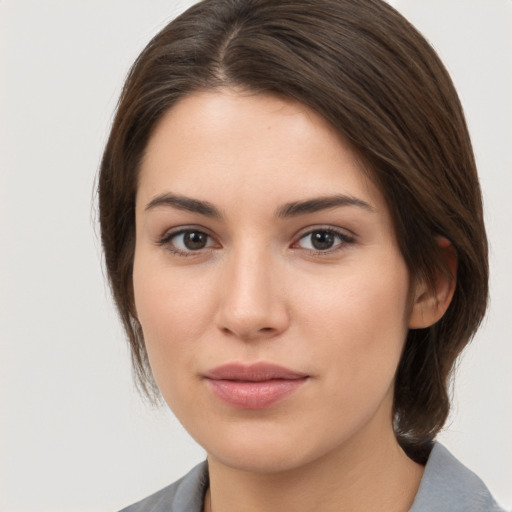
(293, 232)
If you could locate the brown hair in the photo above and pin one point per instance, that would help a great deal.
(365, 69)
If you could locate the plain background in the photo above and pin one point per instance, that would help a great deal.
(74, 436)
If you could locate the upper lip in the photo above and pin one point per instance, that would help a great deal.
(257, 372)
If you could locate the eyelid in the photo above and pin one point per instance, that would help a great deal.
(170, 234)
(346, 237)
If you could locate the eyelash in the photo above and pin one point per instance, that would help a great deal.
(166, 241)
(343, 240)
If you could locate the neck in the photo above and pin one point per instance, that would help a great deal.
(370, 474)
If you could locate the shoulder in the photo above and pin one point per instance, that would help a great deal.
(186, 494)
(449, 486)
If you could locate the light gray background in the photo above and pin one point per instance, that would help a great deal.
(74, 436)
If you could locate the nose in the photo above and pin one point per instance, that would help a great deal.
(252, 304)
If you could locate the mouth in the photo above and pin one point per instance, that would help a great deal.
(255, 386)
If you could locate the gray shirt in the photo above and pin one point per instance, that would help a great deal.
(446, 486)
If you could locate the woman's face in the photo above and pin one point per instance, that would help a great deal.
(268, 282)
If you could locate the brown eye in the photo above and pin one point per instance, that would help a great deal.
(187, 241)
(195, 240)
(323, 240)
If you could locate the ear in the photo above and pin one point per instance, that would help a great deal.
(430, 305)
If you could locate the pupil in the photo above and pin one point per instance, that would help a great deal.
(322, 240)
(195, 240)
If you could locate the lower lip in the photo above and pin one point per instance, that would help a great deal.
(254, 395)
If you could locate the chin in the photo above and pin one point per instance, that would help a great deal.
(261, 459)
(269, 449)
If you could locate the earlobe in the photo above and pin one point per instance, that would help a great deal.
(431, 304)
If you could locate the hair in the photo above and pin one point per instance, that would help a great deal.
(369, 72)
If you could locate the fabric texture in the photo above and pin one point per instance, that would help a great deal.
(449, 486)
(446, 486)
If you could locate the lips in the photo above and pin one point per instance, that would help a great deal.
(255, 386)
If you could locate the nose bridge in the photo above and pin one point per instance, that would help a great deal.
(252, 304)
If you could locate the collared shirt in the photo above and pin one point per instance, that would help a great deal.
(446, 486)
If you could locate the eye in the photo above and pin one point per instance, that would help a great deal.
(187, 241)
(323, 240)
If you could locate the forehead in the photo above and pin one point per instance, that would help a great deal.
(236, 144)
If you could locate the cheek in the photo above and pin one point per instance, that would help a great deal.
(173, 314)
(167, 323)
(359, 321)
(167, 296)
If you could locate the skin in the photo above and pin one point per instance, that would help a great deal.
(259, 290)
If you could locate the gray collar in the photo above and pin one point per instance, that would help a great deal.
(449, 486)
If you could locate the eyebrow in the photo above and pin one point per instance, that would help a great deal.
(321, 203)
(292, 209)
(184, 203)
